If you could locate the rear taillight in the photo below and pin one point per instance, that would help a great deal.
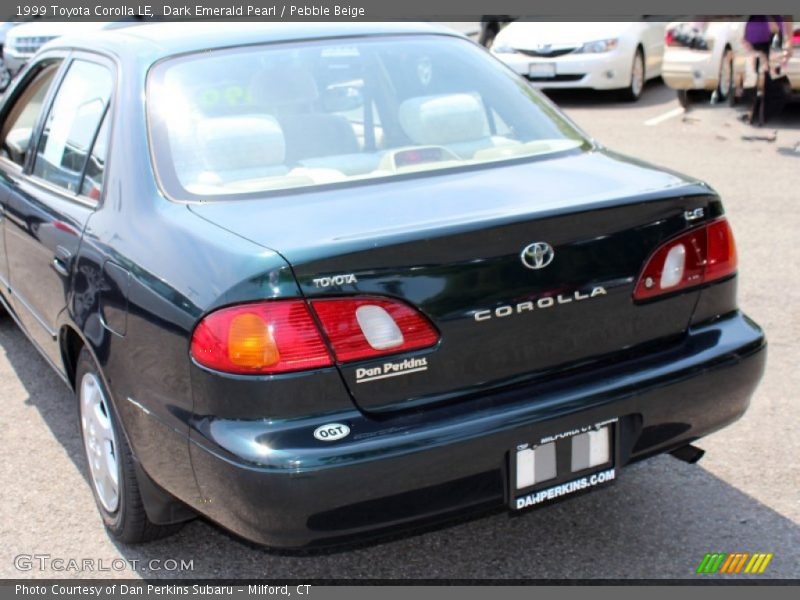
(280, 336)
(361, 328)
(693, 258)
(263, 338)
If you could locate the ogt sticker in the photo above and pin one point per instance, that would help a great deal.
(331, 432)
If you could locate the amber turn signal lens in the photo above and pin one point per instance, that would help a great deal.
(250, 342)
(260, 338)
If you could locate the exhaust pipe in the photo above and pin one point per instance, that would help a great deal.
(688, 453)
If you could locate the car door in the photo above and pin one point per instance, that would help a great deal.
(48, 205)
(19, 114)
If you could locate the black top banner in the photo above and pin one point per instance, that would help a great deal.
(383, 10)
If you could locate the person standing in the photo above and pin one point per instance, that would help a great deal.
(762, 34)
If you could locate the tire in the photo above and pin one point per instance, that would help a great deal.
(684, 99)
(735, 95)
(633, 92)
(109, 460)
(725, 82)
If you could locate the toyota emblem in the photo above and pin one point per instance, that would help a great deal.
(537, 255)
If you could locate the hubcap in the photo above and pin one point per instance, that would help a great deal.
(100, 442)
(637, 75)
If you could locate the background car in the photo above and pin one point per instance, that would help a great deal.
(23, 41)
(792, 68)
(598, 55)
(699, 55)
(5, 74)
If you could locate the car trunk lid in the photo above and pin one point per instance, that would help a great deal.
(453, 246)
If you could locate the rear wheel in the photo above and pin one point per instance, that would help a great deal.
(638, 77)
(111, 467)
(725, 85)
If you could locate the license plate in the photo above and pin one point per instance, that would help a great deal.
(541, 70)
(562, 464)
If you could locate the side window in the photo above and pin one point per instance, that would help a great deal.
(72, 125)
(95, 169)
(21, 119)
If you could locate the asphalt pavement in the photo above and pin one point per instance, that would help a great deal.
(658, 519)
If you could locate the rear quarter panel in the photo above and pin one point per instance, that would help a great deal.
(169, 267)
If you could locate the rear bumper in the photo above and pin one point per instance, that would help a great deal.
(792, 70)
(274, 484)
(685, 69)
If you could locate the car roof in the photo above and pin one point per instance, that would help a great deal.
(152, 41)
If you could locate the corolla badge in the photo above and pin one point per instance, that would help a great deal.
(330, 432)
(537, 255)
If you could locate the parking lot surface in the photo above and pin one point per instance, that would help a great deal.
(657, 520)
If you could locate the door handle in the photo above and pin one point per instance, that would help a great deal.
(60, 268)
(61, 261)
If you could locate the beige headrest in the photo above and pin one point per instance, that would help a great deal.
(231, 143)
(445, 119)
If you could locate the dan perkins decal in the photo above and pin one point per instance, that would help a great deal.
(391, 369)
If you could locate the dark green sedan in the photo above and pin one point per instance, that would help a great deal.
(318, 282)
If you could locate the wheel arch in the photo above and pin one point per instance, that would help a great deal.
(162, 508)
(640, 48)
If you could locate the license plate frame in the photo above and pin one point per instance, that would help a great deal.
(566, 482)
(541, 70)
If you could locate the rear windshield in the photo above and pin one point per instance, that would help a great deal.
(276, 117)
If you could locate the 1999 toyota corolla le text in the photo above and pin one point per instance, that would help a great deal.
(318, 281)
